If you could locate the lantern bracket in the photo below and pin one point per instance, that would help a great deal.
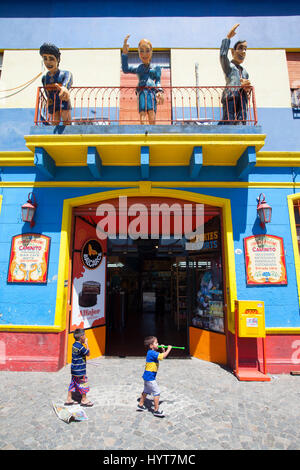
(264, 211)
(28, 210)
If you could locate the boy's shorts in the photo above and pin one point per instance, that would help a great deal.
(151, 388)
(79, 384)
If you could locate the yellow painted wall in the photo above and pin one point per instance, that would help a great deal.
(101, 67)
(183, 67)
(267, 70)
(18, 68)
(269, 75)
(89, 68)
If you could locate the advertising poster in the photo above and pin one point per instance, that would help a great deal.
(89, 279)
(208, 311)
(29, 258)
(265, 260)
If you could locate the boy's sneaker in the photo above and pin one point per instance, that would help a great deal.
(158, 413)
(141, 408)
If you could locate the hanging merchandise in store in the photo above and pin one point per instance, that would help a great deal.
(208, 306)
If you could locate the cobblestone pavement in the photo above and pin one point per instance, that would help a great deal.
(205, 407)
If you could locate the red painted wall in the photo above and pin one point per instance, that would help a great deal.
(21, 351)
(282, 353)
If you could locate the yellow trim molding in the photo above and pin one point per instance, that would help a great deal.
(16, 158)
(32, 328)
(283, 331)
(278, 159)
(171, 157)
(166, 184)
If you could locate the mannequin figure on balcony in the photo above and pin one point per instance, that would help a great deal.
(149, 91)
(57, 84)
(234, 101)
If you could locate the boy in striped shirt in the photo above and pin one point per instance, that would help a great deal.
(150, 385)
(80, 350)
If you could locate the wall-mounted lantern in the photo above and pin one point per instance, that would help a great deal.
(264, 211)
(28, 210)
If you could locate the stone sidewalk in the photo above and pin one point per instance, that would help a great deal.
(205, 407)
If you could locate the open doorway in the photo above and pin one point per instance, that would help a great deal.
(143, 298)
(150, 286)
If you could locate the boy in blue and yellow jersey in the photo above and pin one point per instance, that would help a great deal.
(150, 385)
(79, 383)
(57, 84)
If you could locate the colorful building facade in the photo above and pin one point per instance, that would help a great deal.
(106, 171)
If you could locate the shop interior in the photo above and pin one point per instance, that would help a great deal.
(158, 287)
(155, 288)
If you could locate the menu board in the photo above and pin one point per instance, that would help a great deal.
(29, 258)
(265, 260)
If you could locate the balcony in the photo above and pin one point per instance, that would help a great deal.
(103, 106)
(105, 130)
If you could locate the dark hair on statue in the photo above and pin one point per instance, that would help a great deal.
(78, 333)
(237, 43)
(149, 340)
(48, 48)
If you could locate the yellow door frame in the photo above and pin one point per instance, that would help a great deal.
(291, 199)
(143, 189)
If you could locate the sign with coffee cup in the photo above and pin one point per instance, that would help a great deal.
(88, 290)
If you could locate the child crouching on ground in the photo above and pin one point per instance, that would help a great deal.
(79, 383)
(149, 376)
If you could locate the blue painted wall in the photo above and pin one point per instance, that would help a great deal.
(38, 301)
(72, 24)
(33, 304)
(104, 25)
(132, 8)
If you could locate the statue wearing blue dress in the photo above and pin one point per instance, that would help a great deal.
(148, 90)
(57, 84)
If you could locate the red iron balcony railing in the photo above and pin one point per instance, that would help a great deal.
(119, 105)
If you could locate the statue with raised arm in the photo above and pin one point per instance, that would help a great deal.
(57, 84)
(149, 91)
(234, 100)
